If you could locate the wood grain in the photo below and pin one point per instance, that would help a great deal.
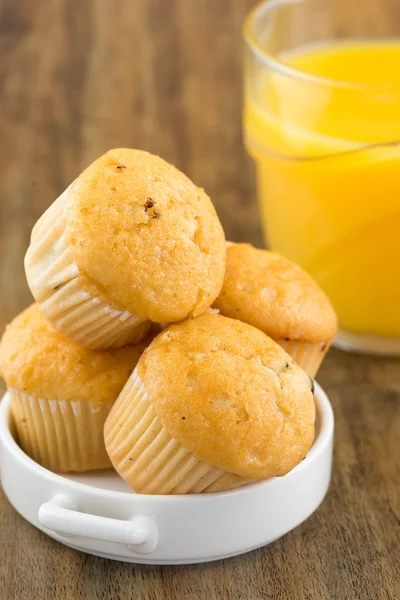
(78, 77)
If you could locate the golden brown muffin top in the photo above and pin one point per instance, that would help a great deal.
(275, 295)
(36, 359)
(147, 236)
(230, 395)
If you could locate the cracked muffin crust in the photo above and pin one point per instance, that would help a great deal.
(277, 296)
(37, 359)
(61, 393)
(274, 294)
(223, 390)
(147, 235)
(132, 240)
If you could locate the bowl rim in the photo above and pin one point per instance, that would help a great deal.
(322, 440)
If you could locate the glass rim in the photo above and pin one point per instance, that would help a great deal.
(272, 61)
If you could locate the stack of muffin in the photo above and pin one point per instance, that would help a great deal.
(157, 347)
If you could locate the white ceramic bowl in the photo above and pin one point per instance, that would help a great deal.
(99, 514)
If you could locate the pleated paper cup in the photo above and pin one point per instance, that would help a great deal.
(62, 291)
(148, 458)
(62, 436)
(308, 356)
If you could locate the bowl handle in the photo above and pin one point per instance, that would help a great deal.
(140, 534)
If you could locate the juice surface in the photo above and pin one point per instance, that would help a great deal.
(328, 166)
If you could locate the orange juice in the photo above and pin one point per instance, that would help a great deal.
(323, 128)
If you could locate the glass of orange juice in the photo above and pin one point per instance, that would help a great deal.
(322, 122)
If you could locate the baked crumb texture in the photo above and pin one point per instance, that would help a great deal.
(145, 236)
(230, 395)
(275, 295)
(39, 361)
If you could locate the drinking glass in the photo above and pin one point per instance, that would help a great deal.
(327, 154)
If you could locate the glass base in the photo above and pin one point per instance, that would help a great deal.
(366, 343)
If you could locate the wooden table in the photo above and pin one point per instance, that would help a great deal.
(78, 77)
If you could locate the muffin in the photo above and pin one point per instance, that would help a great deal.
(131, 240)
(61, 393)
(275, 295)
(213, 404)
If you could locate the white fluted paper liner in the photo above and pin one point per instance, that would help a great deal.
(148, 458)
(63, 436)
(57, 285)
